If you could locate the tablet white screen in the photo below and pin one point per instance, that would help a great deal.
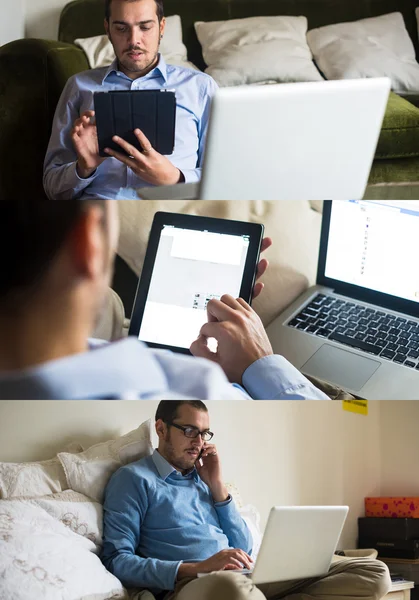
(191, 267)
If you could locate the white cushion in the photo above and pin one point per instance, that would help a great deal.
(374, 47)
(33, 478)
(99, 50)
(257, 49)
(48, 550)
(88, 472)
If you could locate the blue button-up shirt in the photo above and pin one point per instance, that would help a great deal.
(129, 370)
(112, 179)
(147, 533)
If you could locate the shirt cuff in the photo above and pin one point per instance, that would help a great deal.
(274, 378)
(191, 175)
(224, 502)
(88, 179)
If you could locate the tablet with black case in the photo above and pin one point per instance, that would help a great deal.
(189, 260)
(119, 112)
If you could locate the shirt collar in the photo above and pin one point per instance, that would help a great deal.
(165, 469)
(160, 68)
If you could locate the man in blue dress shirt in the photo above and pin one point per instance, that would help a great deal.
(169, 517)
(54, 281)
(73, 167)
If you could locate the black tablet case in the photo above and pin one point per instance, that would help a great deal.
(120, 112)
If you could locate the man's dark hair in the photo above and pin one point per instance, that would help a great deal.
(32, 232)
(167, 409)
(159, 8)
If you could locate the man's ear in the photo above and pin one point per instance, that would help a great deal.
(162, 26)
(106, 25)
(161, 428)
(88, 243)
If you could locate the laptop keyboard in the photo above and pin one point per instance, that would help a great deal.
(374, 331)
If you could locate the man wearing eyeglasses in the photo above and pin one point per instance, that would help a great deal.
(168, 517)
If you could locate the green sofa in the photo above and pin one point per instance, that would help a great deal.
(33, 73)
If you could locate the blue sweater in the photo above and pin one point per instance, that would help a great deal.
(155, 518)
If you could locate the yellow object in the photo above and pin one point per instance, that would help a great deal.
(356, 406)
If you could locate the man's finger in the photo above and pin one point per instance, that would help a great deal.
(266, 243)
(199, 348)
(88, 113)
(129, 149)
(233, 563)
(257, 290)
(130, 162)
(262, 266)
(218, 311)
(144, 141)
(244, 304)
(210, 330)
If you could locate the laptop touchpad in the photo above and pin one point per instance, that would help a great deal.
(342, 367)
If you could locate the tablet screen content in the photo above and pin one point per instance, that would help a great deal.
(191, 267)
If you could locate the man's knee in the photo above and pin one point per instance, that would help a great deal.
(382, 579)
(221, 586)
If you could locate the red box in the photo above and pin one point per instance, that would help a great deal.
(392, 507)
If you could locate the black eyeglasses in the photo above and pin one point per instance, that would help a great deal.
(192, 432)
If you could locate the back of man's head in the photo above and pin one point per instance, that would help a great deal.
(167, 410)
(32, 233)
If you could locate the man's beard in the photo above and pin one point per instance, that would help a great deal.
(180, 462)
(147, 66)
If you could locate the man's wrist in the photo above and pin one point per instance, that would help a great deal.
(219, 492)
(187, 570)
(82, 172)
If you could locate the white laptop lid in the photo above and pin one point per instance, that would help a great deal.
(299, 542)
(299, 141)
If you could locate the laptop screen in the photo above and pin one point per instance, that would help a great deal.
(373, 245)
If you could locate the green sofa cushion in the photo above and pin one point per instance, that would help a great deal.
(400, 132)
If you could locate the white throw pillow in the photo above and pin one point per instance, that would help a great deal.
(99, 50)
(374, 47)
(89, 472)
(257, 49)
(33, 479)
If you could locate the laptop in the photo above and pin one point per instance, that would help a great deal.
(358, 327)
(298, 543)
(307, 141)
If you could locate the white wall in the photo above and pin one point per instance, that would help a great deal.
(275, 452)
(12, 20)
(399, 440)
(42, 17)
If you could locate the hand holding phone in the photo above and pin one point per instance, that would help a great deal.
(210, 472)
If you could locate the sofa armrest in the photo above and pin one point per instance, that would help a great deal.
(32, 75)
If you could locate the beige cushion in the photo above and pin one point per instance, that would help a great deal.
(25, 480)
(293, 225)
(257, 50)
(88, 472)
(99, 50)
(373, 47)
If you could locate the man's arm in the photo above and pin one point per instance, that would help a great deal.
(61, 180)
(125, 505)
(232, 524)
(207, 94)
